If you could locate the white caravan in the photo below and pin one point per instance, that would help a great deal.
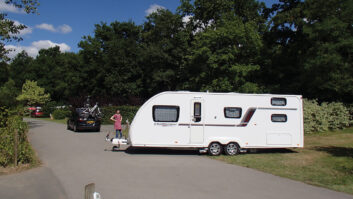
(217, 122)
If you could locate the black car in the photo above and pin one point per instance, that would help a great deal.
(81, 119)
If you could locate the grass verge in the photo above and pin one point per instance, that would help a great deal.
(326, 161)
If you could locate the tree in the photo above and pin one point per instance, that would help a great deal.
(8, 28)
(226, 44)
(308, 49)
(223, 58)
(328, 61)
(111, 60)
(8, 94)
(32, 94)
(4, 72)
(50, 72)
(165, 41)
(20, 69)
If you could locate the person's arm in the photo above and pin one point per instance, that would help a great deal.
(112, 118)
(121, 118)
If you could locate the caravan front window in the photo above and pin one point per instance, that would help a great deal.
(163, 113)
(232, 112)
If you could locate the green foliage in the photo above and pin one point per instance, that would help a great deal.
(4, 114)
(324, 117)
(32, 94)
(4, 73)
(308, 49)
(294, 47)
(165, 44)
(111, 60)
(127, 112)
(9, 31)
(60, 114)
(49, 107)
(8, 94)
(223, 57)
(25, 151)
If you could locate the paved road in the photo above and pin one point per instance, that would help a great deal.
(72, 160)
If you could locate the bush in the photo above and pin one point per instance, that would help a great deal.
(49, 108)
(60, 114)
(7, 140)
(324, 117)
(4, 114)
(128, 112)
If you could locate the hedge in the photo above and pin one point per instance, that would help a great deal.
(128, 112)
(60, 114)
(7, 139)
(325, 116)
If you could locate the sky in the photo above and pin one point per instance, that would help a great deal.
(65, 22)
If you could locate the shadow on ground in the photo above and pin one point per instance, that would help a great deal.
(171, 151)
(34, 124)
(336, 151)
(259, 151)
(160, 151)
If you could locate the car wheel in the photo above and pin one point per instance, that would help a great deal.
(98, 129)
(231, 149)
(214, 149)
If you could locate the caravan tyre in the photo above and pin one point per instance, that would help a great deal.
(231, 148)
(214, 149)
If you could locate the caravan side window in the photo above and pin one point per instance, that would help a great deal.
(197, 112)
(232, 112)
(279, 118)
(165, 113)
(276, 101)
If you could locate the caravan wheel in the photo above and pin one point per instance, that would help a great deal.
(214, 148)
(231, 148)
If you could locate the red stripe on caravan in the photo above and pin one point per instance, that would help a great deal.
(247, 117)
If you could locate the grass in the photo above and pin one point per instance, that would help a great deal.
(326, 160)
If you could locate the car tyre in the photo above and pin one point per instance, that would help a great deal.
(231, 148)
(214, 149)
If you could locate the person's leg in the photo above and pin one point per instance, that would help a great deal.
(120, 134)
(116, 133)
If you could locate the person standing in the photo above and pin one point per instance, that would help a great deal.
(117, 118)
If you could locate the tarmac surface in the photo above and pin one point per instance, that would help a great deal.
(72, 160)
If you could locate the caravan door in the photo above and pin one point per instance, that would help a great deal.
(197, 121)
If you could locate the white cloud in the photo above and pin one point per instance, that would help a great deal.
(64, 29)
(153, 8)
(61, 29)
(34, 48)
(4, 7)
(25, 31)
(45, 26)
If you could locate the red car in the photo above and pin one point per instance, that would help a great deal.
(37, 112)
